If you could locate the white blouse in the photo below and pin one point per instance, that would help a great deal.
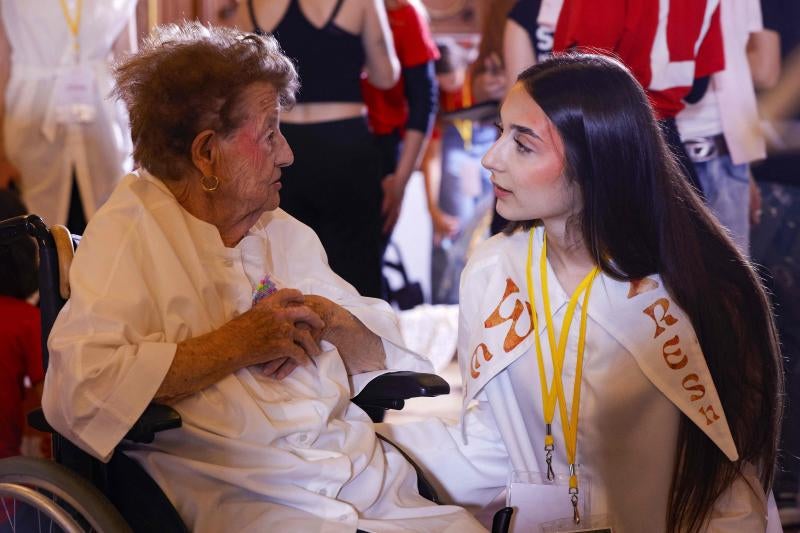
(627, 429)
(630, 405)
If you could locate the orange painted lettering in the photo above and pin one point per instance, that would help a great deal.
(675, 359)
(665, 317)
(709, 413)
(692, 383)
(513, 339)
(475, 363)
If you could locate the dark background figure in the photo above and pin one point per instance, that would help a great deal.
(775, 245)
(401, 118)
(335, 184)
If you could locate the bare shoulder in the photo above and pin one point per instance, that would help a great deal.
(354, 14)
(267, 13)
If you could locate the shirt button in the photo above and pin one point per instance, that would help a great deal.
(322, 492)
(302, 438)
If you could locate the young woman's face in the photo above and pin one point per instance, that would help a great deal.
(527, 164)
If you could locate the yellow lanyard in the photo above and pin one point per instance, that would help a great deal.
(73, 23)
(555, 393)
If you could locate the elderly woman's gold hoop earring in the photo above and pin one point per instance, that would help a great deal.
(209, 183)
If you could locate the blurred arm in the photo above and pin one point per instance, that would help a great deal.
(422, 95)
(383, 67)
(517, 51)
(764, 57)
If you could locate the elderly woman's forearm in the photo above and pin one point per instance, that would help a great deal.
(360, 348)
(199, 363)
(271, 330)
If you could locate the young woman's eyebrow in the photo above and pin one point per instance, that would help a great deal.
(525, 130)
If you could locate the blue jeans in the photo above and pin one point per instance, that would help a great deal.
(726, 188)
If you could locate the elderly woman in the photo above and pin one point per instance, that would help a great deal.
(187, 288)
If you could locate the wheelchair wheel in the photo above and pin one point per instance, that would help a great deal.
(40, 495)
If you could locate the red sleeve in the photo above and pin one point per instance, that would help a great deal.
(711, 54)
(412, 37)
(32, 346)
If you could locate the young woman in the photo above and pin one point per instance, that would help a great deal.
(614, 338)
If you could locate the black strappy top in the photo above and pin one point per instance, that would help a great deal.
(328, 59)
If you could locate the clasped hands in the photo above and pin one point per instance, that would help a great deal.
(284, 330)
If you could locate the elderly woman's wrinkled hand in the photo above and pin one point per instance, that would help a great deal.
(361, 350)
(279, 332)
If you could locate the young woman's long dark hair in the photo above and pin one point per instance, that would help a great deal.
(641, 217)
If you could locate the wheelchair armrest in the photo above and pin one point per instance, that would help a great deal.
(37, 421)
(156, 417)
(502, 520)
(390, 390)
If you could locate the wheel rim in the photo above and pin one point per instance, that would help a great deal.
(39, 501)
(87, 508)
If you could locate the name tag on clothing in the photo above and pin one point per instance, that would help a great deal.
(590, 524)
(544, 506)
(74, 97)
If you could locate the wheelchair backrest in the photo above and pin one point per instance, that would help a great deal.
(50, 299)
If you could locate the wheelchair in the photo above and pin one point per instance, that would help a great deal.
(77, 493)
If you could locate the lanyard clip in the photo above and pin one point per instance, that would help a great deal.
(549, 446)
(573, 491)
(549, 460)
(576, 515)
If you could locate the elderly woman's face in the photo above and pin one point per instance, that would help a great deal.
(253, 154)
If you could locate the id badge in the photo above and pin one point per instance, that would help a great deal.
(540, 503)
(74, 98)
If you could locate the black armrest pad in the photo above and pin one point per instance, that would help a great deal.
(502, 520)
(37, 421)
(156, 417)
(389, 390)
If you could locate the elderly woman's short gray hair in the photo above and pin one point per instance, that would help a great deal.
(188, 78)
